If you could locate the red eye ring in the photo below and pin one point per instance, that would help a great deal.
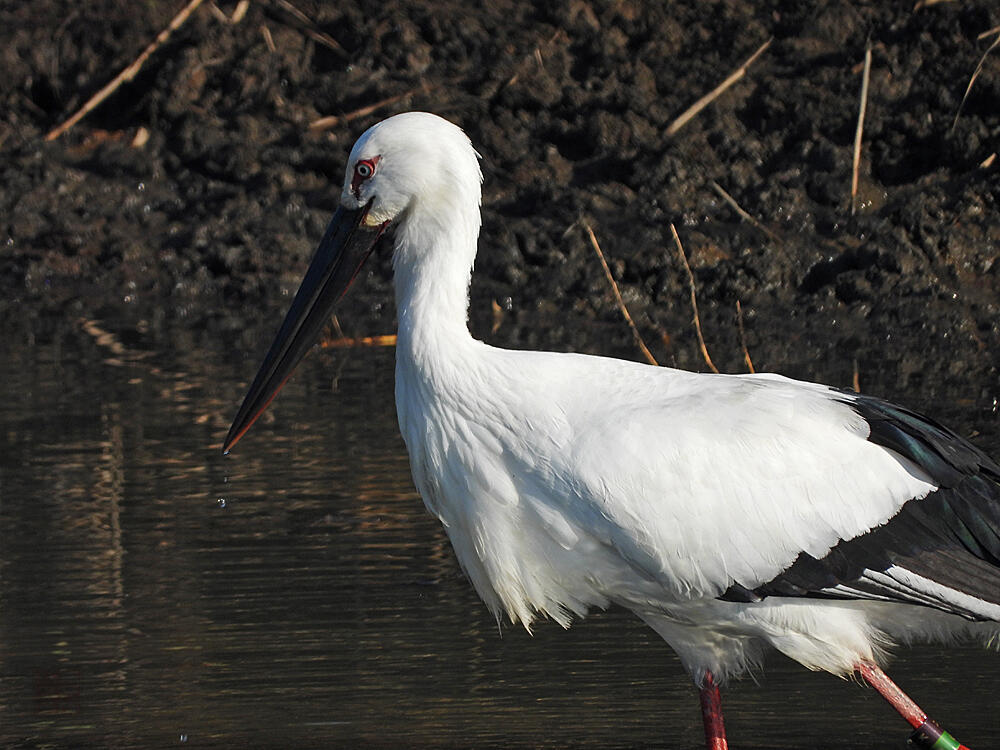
(365, 168)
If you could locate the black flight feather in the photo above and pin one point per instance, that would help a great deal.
(950, 537)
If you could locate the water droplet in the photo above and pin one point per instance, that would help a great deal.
(184, 738)
(10, 242)
(142, 186)
(222, 502)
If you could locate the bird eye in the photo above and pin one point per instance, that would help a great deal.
(364, 169)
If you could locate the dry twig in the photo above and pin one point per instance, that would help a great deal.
(694, 300)
(865, 77)
(733, 77)
(988, 32)
(141, 138)
(217, 12)
(331, 121)
(535, 55)
(128, 74)
(928, 3)
(240, 12)
(268, 39)
(310, 28)
(975, 75)
(739, 210)
(346, 342)
(743, 338)
(618, 298)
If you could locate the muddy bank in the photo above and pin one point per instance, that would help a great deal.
(193, 196)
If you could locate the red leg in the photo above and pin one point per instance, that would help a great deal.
(928, 733)
(711, 714)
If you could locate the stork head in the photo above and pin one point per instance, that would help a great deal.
(413, 163)
(415, 160)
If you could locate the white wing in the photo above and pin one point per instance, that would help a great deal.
(699, 481)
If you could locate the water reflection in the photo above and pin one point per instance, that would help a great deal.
(319, 605)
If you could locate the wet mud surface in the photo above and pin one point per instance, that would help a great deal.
(193, 196)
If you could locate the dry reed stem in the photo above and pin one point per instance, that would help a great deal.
(268, 39)
(238, 13)
(988, 161)
(497, 316)
(739, 210)
(536, 55)
(862, 107)
(217, 12)
(241, 10)
(856, 379)
(975, 75)
(743, 338)
(618, 298)
(331, 121)
(347, 342)
(714, 94)
(141, 138)
(128, 73)
(311, 29)
(337, 330)
(694, 300)
(928, 3)
(988, 32)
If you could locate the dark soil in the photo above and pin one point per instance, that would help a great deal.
(209, 224)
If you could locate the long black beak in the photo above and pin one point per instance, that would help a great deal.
(343, 250)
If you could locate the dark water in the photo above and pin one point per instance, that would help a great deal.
(156, 594)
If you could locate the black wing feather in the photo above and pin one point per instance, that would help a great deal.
(951, 536)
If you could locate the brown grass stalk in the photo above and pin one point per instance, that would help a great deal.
(988, 32)
(268, 39)
(862, 107)
(928, 3)
(715, 93)
(332, 121)
(975, 75)
(535, 55)
(349, 342)
(740, 212)
(310, 28)
(618, 298)
(128, 73)
(743, 337)
(694, 300)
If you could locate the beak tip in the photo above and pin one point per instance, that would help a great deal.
(344, 248)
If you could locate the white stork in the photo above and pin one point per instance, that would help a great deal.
(732, 513)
